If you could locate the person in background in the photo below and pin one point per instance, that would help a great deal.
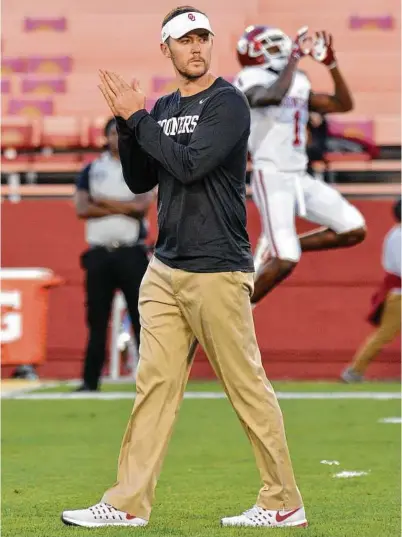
(116, 257)
(317, 135)
(386, 304)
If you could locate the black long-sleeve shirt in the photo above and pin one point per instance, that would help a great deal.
(195, 149)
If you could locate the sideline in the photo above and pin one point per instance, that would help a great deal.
(118, 396)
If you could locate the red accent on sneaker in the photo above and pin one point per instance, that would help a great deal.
(130, 517)
(281, 518)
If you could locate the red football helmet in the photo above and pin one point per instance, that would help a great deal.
(264, 45)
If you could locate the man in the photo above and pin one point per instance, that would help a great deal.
(386, 312)
(280, 98)
(116, 257)
(199, 282)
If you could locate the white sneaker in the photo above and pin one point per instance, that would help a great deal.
(350, 376)
(101, 514)
(257, 516)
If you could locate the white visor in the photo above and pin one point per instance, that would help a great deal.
(185, 23)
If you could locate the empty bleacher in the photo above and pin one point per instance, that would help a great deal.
(52, 50)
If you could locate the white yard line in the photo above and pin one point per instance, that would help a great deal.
(379, 396)
(340, 395)
(8, 389)
(390, 420)
(351, 473)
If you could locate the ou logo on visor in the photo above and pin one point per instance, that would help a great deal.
(191, 17)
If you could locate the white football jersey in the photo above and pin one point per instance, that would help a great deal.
(278, 133)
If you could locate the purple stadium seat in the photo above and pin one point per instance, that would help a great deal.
(13, 65)
(31, 108)
(5, 86)
(37, 24)
(49, 65)
(43, 86)
(381, 22)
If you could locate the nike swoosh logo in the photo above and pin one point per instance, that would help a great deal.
(203, 100)
(130, 517)
(281, 518)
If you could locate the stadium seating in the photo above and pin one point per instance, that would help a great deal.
(5, 86)
(19, 133)
(64, 132)
(52, 51)
(31, 107)
(42, 85)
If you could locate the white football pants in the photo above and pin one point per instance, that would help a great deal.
(281, 196)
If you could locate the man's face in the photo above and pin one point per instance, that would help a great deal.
(112, 139)
(191, 54)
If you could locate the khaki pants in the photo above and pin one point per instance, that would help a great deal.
(176, 307)
(389, 327)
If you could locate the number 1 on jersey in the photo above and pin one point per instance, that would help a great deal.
(296, 139)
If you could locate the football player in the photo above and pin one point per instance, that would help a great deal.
(280, 98)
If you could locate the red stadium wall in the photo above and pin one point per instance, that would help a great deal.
(307, 328)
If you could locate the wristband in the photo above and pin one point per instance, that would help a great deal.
(296, 54)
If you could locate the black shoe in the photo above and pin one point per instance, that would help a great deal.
(85, 388)
(26, 372)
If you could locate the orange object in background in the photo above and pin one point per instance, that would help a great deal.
(24, 306)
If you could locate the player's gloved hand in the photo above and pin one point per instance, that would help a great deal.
(322, 50)
(299, 44)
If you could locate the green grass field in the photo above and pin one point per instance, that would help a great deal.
(62, 454)
(200, 386)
